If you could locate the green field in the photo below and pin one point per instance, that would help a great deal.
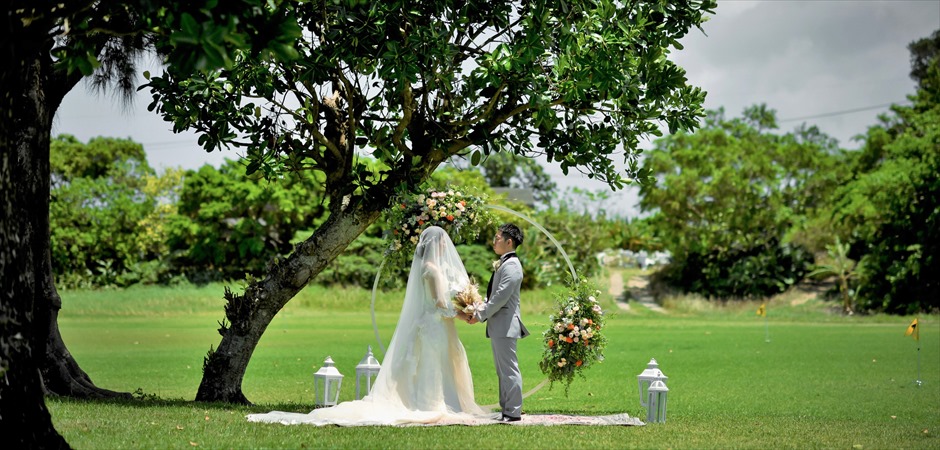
(823, 381)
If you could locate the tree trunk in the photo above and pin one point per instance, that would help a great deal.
(61, 374)
(250, 313)
(24, 210)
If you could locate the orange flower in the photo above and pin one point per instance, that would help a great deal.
(463, 203)
(551, 343)
(402, 206)
(569, 340)
(570, 326)
(420, 223)
(450, 217)
(590, 321)
(578, 363)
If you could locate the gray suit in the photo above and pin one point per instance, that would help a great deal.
(504, 326)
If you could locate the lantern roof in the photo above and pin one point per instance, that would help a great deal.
(368, 362)
(329, 369)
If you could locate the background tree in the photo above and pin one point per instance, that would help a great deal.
(47, 49)
(229, 225)
(99, 205)
(725, 198)
(889, 210)
(415, 84)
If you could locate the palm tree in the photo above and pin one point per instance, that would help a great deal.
(842, 267)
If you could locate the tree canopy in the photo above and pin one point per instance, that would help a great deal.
(727, 195)
(413, 84)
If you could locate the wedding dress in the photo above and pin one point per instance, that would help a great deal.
(425, 377)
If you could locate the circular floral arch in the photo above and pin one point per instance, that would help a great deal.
(378, 275)
(573, 340)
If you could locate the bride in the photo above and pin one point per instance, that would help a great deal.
(425, 377)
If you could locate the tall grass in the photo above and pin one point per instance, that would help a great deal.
(824, 380)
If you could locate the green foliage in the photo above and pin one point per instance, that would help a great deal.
(418, 83)
(506, 169)
(229, 225)
(100, 205)
(726, 196)
(358, 264)
(755, 272)
(840, 266)
(892, 207)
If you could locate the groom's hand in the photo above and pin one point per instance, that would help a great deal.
(472, 320)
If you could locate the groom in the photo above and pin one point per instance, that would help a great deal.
(504, 319)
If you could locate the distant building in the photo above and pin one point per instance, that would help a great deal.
(521, 195)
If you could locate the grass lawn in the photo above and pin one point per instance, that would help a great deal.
(823, 381)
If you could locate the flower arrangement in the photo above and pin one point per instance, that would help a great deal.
(573, 341)
(461, 214)
(469, 300)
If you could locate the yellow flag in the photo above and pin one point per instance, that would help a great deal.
(912, 330)
(762, 311)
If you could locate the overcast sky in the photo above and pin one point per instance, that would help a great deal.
(833, 64)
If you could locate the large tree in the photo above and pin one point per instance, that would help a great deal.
(726, 196)
(890, 209)
(415, 83)
(47, 49)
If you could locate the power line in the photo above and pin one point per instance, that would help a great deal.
(839, 113)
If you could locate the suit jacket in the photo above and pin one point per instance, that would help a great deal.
(501, 311)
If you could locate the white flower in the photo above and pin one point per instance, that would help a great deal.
(421, 199)
(575, 339)
(583, 322)
(432, 202)
(414, 240)
(559, 327)
(597, 309)
(592, 299)
(563, 362)
(576, 309)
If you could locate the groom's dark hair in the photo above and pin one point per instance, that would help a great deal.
(511, 231)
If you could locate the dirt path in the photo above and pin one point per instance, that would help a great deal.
(638, 290)
(616, 291)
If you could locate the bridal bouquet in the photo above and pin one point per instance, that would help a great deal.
(573, 341)
(468, 300)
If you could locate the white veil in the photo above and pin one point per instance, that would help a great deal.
(426, 300)
(425, 376)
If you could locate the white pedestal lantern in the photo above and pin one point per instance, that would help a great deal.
(326, 384)
(646, 378)
(366, 373)
(657, 402)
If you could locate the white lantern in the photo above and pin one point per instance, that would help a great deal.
(647, 377)
(657, 402)
(366, 373)
(326, 384)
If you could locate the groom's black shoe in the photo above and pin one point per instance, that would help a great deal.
(508, 419)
